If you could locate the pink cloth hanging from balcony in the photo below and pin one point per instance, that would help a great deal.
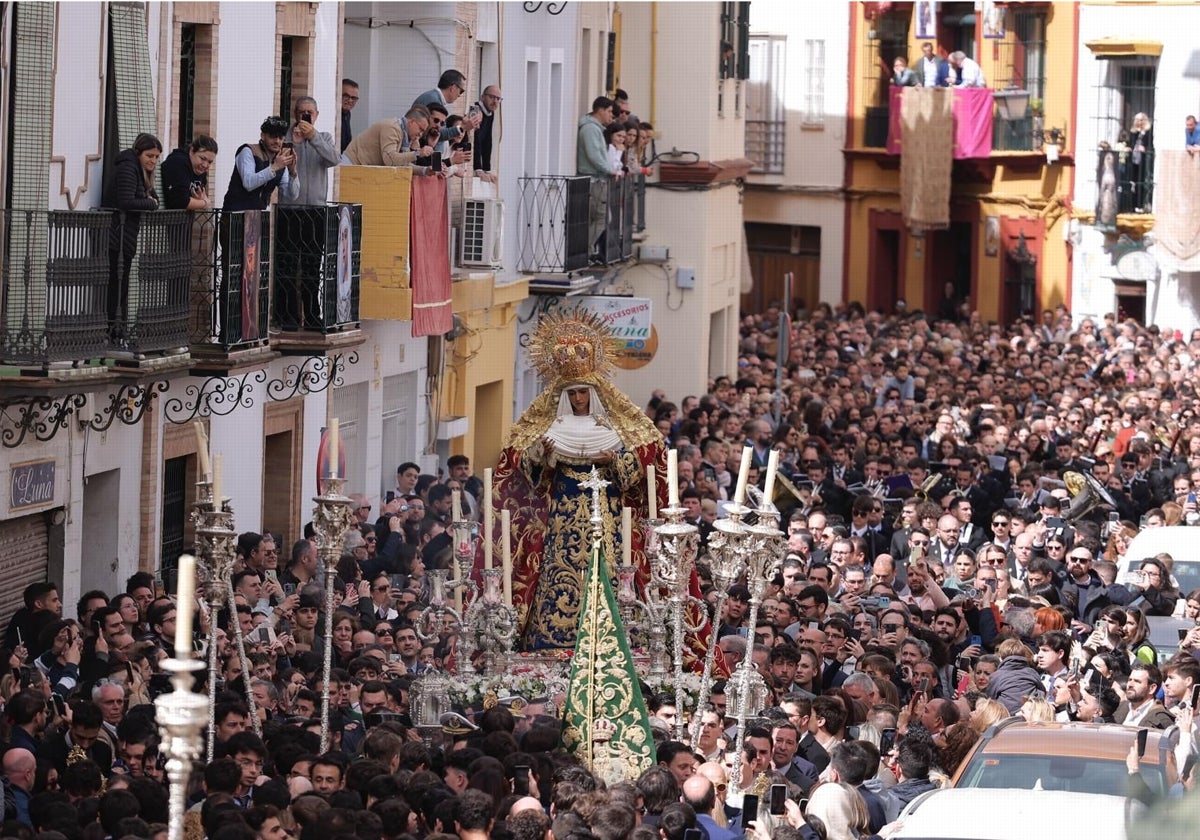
(429, 237)
(973, 109)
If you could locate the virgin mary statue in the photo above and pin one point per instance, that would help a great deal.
(578, 422)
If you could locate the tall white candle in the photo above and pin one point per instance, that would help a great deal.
(739, 497)
(772, 468)
(334, 442)
(185, 606)
(456, 506)
(626, 536)
(487, 518)
(218, 502)
(506, 553)
(202, 451)
(652, 491)
(673, 477)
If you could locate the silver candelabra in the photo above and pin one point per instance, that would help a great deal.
(332, 517)
(216, 544)
(727, 546)
(763, 552)
(180, 715)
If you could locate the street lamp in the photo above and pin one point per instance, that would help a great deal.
(1012, 102)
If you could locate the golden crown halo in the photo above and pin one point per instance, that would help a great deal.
(570, 346)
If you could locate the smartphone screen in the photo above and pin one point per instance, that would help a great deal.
(977, 641)
(1195, 697)
(749, 809)
(521, 780)
(389, 497)
(924, 686)
(1142, 736)
(778, 798)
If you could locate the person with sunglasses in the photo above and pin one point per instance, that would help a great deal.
(451, 85)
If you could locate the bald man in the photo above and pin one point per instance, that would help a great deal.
(699, 792)
(20, 766)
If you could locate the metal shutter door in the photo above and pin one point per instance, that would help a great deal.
(24, 550)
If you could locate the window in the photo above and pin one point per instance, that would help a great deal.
(735, 41)
(1022, 63)
(766, 117)
(881, 45)
(195, 80)
(1127, 92)
(286, 66)
(187, 83)
(814, 83)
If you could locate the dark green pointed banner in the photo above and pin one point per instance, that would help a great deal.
(607, 726)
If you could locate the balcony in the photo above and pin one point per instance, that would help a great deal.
(385, 195)
(317, 257)
(83, 286)
(552, 219)
(568, 222)
(765, 144)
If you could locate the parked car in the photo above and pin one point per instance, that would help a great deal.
(1074, 757)
(966, 814)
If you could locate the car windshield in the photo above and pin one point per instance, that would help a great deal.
(1073, 773)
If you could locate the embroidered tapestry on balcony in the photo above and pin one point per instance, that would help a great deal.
(1177, 207)
(433, 313)
(927, 120)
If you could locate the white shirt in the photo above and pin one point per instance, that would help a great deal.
(970, 74)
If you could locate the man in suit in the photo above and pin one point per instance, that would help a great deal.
(785, 740)
(930, 70)
(970, 535)
(699, 792)
(942, 549)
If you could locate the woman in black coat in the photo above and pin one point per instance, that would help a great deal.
(132, 194)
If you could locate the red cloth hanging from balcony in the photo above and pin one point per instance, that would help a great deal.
(972, 121)
(429, 237)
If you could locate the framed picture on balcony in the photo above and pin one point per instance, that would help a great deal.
(991, 235)
(993, 19)
(345, 267)
(925, 19)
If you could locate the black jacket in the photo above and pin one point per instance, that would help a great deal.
(178, 180)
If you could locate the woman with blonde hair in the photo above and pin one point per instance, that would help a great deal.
(987, 713)
(840, 807)
(1037, 710)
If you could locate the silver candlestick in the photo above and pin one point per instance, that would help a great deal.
(726, 548)
(216, 541)
(492, 624)
(180, 715)
(466, 543)
(678, 543)
(652, 606)
(747, 691)
(332, 517)
(432, 622)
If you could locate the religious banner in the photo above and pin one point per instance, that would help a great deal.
(972, 121)
(629, 319)
(605, 719)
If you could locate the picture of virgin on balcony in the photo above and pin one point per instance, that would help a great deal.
(345, 270)
(250, 241)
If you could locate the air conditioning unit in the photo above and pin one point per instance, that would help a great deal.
(481, 242)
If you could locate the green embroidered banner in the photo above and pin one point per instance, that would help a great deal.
(607, 725)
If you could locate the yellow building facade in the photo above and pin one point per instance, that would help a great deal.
(1019, 195)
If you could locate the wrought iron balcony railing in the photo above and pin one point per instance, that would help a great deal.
(148, 280)
(318, 253)
(54, 272)
(230, 279)
(552, 218)
(617, 243)
(765, 140)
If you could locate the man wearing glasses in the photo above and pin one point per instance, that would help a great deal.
(349, 100)
(486, 109)
(451, 85)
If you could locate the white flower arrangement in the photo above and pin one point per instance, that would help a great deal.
(690, 685)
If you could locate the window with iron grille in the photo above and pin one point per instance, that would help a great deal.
(765, 112)
(1021, 63)
(735, 34)
(884, 39)
(814, 83)
(287, 57)
(1127, 91)
(187, 83)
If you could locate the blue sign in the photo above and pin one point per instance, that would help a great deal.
(31, 484)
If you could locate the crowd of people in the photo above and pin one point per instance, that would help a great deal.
(941, 575)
